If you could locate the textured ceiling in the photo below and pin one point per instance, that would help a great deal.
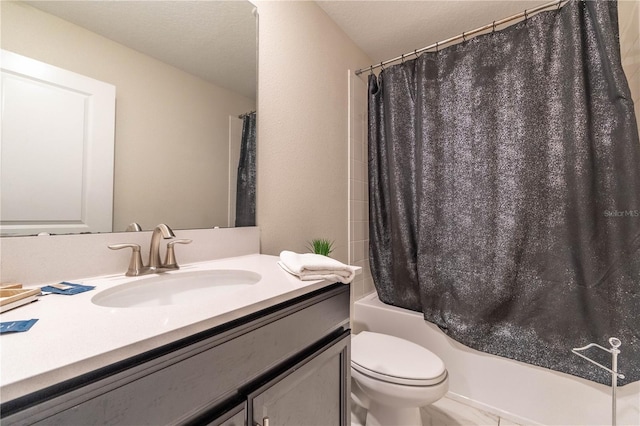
(387, 29)
(214, 40)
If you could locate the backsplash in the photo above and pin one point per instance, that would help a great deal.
(47, 259)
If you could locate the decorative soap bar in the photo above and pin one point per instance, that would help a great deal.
(66, 288)
(16, 326)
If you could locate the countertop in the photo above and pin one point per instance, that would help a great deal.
(73, 336)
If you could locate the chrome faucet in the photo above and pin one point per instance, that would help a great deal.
(133, 227)
(136, 267)
(165, 232)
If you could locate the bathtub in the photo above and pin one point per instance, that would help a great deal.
(519, 392)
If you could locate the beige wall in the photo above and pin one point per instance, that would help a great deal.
(629, 24)
(172, 129)
(303, 137)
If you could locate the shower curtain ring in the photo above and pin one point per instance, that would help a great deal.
(464, 37)
(494, 27)
(415, 52)
(559, 4)
(381, 65)
(526, 16)
(437, 49)
(371, 70)
(402, 56)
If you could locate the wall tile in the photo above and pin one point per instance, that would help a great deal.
(359, 209)
(356, 149)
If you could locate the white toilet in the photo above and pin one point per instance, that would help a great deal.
(394, 378)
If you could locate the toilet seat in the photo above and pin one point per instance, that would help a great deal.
(395, 360)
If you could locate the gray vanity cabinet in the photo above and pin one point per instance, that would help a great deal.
(237, 416)
(305, 395)
(288, 363)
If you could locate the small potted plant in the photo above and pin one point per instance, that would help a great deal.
(321, 246)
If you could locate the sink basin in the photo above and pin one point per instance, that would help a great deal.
(176, 288)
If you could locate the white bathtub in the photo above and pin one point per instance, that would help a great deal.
(522, 393)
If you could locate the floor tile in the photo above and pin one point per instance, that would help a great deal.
(447, 412)
(358, 415)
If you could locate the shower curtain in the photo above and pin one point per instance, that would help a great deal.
(246, 186)
(505, 191)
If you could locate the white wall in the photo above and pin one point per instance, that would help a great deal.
(303, 126)
(172, 129)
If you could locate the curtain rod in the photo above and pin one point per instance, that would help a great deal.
(245, 114)
(526, 14)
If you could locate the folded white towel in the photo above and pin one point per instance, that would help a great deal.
(310, 266)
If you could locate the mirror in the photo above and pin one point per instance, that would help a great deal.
(184, 72)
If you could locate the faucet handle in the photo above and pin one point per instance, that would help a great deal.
(133, 227)
(170, 258)
(135, 264)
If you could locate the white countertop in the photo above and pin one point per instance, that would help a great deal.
(73, 336)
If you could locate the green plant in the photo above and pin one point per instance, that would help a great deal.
(321, 246)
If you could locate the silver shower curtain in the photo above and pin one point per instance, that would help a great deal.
(505, 190)
(246, 185)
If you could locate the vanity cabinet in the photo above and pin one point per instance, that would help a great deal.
(287, 364)
(237, 416)
(306, 393)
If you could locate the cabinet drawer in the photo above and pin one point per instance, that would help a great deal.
(173, 387)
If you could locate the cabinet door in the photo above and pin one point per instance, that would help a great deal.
(314, 392)
(234, 417)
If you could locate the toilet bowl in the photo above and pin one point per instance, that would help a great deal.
(393, 378)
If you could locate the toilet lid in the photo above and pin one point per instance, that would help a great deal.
(395, 360)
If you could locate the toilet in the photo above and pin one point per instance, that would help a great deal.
(393, 378)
